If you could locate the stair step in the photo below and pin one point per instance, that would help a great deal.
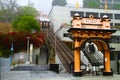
(30, 68)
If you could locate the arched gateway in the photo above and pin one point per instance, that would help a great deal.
(92, 29)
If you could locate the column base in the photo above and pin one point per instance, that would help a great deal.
(77, 74)
(108, 73)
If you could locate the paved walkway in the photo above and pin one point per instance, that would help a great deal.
(39, 73)
(48, 75)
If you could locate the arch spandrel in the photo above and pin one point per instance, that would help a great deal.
(100, 43)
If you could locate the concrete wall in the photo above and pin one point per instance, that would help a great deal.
(57, 61)
(114, 66)
(58, 16)
(21, 57)
(4, 67)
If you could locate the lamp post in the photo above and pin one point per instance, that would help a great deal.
(12, 55)
(11, 50)
(28, 40)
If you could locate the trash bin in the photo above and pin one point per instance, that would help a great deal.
(71, 67)
(36, 61)
(54, 67)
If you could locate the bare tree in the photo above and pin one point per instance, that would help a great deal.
(8, 10)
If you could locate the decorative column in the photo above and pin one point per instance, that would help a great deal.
(76, 57)
(107, 69)
(77, 68)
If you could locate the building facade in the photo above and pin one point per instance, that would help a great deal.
(100, 4)
(59, 15)
(112, 4)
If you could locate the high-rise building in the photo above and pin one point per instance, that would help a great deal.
(111, 4)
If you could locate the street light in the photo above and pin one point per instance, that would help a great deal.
(12, 55)
(28, 40)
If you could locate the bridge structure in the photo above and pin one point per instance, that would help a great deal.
(95, 30)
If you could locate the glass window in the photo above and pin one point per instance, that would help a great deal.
(111, 24)
(117, 24)
(118, 55)
(115, 39)
(108, 1)
(80, 13)
(117, 16)
(112, 55)
(91, 13)
(109, 15)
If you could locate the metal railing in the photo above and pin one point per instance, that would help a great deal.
(64, 53)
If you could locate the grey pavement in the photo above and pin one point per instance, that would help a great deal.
(48, 75)
(41, 72)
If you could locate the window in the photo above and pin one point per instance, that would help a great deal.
(117, 16)
(115, 39)
(108, 1)
(111, 24)
(109, 15)
(91, 13)
(118, 55)
(80, 13)
(117, 24)
(113, 55)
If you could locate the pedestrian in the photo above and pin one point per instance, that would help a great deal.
(97, 70)
(87, 69)
(94, 70)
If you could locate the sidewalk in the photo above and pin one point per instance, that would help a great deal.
(48, 75)
(17, 75)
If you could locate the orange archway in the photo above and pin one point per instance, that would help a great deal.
(95, 29)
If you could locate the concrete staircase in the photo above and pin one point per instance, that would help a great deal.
(64, 53)
(30, 68)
